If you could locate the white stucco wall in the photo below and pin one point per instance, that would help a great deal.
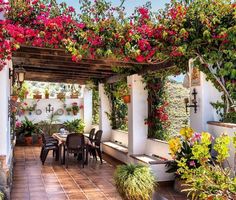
(207, 93)
(120, 136)
(5, 140)
(88, 109)
(56, 104)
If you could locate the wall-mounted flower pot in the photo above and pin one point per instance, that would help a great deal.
(75, 112)
(14, 98)
(126, 98)
(28, 141)
(37, 96)
(60, 96)
(74, 96)
(46, 96)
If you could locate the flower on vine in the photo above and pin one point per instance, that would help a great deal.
(186, 132)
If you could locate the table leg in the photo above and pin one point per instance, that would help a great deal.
(64, 154)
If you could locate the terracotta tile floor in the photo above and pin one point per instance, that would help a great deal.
(32, 181)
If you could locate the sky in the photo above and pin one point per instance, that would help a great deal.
(129, 4)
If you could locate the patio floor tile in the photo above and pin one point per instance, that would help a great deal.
(52, 181)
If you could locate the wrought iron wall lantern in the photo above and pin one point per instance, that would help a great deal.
(49, 108)
(194, 102)
(18, 74)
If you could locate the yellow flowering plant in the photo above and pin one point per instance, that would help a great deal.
(181, 146)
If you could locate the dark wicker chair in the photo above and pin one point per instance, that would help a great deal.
(91, 134)
(49, 144)
(95, 146)
(74, 145)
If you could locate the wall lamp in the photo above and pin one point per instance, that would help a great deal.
(194, 102)
(18, 75)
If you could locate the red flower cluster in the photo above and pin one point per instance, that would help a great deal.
(161, 113)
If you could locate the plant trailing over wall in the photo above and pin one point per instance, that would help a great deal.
(158, 119)
(134, 182)
(95, 105)
(211, 180)
(119, 110)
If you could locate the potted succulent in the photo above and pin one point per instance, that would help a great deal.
(134, 182)
(46, 94)
(74, 95)
(76, 126)
(27, 128)
(75, 108)
(68, 110)
(61, 95)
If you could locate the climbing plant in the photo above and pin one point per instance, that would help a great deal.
(119, 110)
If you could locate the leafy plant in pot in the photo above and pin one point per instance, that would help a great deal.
(27, 128)
(75, 108)
(76, 126)
(134, 182)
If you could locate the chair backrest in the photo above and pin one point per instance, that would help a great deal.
(43, 137)
(98, 137)
(92, 133)
(74, 140)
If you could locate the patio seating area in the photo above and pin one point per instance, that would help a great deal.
(33, 181)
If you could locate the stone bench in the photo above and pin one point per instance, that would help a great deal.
(157, 165)
(115, 150)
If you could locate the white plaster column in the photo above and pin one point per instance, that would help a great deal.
(5, 138)
(137, 112)
(105, 107)
(88, 109)
(206, 93)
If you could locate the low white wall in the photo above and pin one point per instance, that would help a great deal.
(216, 129)
(157, 147)
(120, 136)
(56, 104)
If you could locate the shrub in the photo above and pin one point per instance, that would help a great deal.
(76, 125)
(1, 195)
(134, 182)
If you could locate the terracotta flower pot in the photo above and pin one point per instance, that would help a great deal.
(37, 96)
(126, 98)
(74, 96)
(14, 98)
(40, 141)
(46, 96)
(28, 141)
(75, 112)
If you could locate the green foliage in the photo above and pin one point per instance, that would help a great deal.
(158, 119)
(209, 180)
(27, 128)
(95, 105)
(134, 182)
(119, 110)
(76, 126)
(2, 195)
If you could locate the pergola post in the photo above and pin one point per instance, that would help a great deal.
(104, 107)
(5, 137)
(88, 109)
(137, 113)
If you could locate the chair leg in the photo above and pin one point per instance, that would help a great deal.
(57, 154)
(67, 158)
(99, 153)
(41, 153)
(44, 156)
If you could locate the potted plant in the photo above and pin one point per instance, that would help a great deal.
(76, 126)
(46, 94)
(181, 147)
(213, 179)
(68, 110)
(37, 95)
(23, 92)
(75, 108)
(74, 95)
(15, 93)
(27, 128)
(61, 95)
(134, 182)
(124, 92)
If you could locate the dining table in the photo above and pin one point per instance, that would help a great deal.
(61, 138)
